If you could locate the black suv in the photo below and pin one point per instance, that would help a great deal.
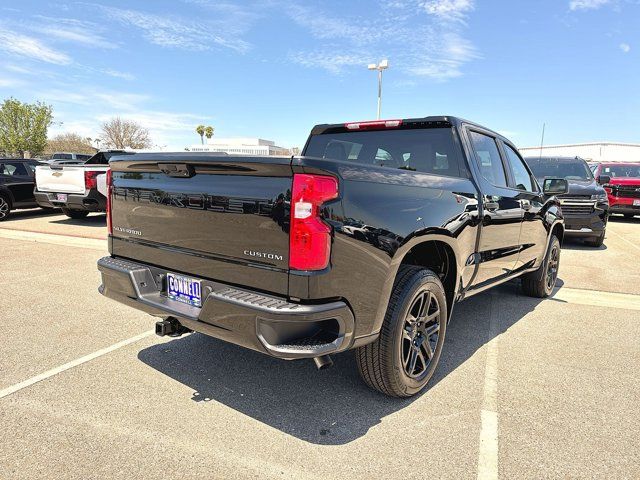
(17, 181)
(585, 206)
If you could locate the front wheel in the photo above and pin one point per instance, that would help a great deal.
(541, 283)
(5, 208)
(405, 355)
(75, 214)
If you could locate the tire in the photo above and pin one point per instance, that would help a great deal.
(5, 207)
(75, 214)
(395, 364)
(541, 283)
(595, 241)
(628, 215)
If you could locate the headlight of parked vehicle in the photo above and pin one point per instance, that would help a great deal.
(600, 197)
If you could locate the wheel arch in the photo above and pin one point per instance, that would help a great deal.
(6, 193)
(435, 251)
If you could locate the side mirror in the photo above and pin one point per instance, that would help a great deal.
(555, 186)
(604, 179)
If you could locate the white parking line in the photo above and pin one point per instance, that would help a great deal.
(74, 363)
(66, 240)
(488, 448)
(597, 298)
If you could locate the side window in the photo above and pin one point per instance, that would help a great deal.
(9, 169)
(384, 158)
(520, 173)
(488, 158)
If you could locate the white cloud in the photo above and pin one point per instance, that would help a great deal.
(94, 98)
(118, 74)
(625, 47)
(420, 38)
(587, 4)
(170, 31)
(332, 62)
(72, 30)
(449, 10)
(9, 82)
(25, 46)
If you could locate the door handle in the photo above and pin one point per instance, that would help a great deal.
(526, 204)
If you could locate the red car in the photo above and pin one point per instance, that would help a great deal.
(622, 183)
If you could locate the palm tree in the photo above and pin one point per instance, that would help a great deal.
(209, 132)
(200, 131)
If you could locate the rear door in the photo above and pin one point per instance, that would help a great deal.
(18, 179)
(217, 217)
(502, 211)
(60, 179)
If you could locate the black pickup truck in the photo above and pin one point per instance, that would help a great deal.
(365, 242)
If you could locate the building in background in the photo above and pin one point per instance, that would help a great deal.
(241, 146)
(592, 152)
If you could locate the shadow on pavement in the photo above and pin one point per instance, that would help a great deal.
(577, 244)
(622, 219)
(16, 215)
(329, 407)
(90, 221)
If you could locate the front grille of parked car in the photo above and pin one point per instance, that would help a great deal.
(573, 208)
(575, 197)
(629, 191)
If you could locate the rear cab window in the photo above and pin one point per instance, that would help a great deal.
(427, 150)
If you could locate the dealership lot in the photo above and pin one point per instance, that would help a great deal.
(526, 388)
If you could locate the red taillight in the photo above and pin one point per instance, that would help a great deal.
(309, 236)
(109, 188)
(90, 181)
(373, 124)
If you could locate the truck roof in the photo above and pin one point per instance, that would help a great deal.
(430, 121)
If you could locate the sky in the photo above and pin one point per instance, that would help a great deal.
(274, 68)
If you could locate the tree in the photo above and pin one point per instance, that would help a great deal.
(70, 142)
(23, 126)
(119, 133)
(209, 132)
(200, 131)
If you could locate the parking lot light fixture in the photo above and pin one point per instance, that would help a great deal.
(383, 65)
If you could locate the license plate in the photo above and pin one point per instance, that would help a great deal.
(184, 289)
(61, 197)
(636, 203)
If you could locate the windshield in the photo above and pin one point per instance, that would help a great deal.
(567, 168)
(625, 171)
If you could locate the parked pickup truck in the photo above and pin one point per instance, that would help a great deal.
(622, 183)
(263, 251)
(78, 188)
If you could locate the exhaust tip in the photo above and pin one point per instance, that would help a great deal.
(323, 362)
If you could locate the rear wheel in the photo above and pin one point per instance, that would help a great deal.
(542, 282)
(5, 207)
(76, 214)
(403, 359)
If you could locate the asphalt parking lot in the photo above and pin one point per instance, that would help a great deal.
(525, 388)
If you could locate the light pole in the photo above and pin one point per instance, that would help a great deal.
(383, 65)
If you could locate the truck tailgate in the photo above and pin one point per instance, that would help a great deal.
(60, 179)
(217, 217)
